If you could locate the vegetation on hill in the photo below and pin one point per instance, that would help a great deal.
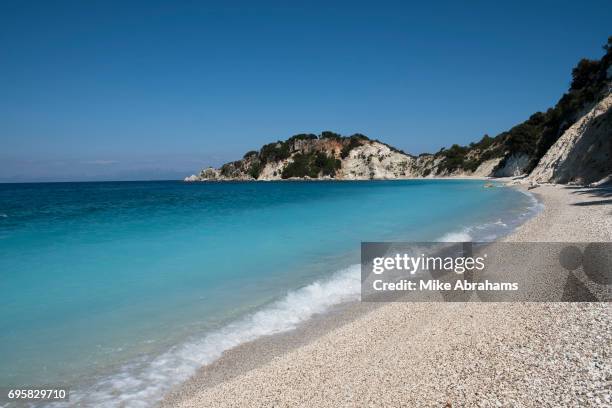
(310, 155)
(468, 157)
(591, 82)
(281, 150)
(537, 134)
(311, 165)
(354, 141)
(273, 152)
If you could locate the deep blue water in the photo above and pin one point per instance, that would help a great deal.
(122, 289)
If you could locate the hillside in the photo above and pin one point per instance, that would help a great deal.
(308, 156)
(569, 143)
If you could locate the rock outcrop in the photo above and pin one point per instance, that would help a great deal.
(331, 156)
(328, 156)
(583, 154)
(515, 165)
(568, 143)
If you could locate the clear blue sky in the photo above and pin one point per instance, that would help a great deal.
(119, 90)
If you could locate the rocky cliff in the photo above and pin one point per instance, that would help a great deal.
(569, 143)
(356, 157)
(583, 154)
(326, 156)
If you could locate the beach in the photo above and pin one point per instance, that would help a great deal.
(435, 354)
(158, 263)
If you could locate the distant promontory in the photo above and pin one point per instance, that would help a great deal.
(569, 143)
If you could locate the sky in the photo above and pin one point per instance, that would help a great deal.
(105, 90)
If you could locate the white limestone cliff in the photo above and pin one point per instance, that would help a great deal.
(583, 154)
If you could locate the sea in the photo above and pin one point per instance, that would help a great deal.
(122, 290)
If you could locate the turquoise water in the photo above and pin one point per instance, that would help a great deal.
(120, 290)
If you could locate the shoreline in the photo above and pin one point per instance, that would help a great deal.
(257, 352)
(249, 374)
(327, 179)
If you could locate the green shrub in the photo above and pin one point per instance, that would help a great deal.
(354, 141)
(455, 156)
(255, 169)
(470, 165)
(299, 167)
(273, 152)
(311, 165)
(326, 164)
(302, 136)
(228, 169)
(330, 135)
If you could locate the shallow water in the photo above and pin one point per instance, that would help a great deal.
(123, 289)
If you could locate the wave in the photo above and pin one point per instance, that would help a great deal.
(457, 236)
(490, 231)
(143, 383)
(535, 207)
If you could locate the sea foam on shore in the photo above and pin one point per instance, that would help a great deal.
(497, 354)
(142, 383)
(164, 277)
(150, 380)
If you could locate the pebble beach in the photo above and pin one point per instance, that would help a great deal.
(436, 354)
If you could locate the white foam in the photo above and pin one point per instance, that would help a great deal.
(143, 383)
(536, 206)
(491, 231)
(457, 236)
